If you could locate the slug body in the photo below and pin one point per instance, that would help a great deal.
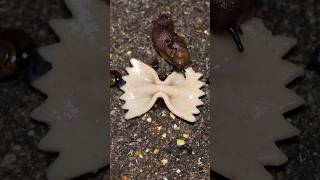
(168, 44)
(228, 14)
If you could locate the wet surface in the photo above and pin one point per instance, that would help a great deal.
(158, 145)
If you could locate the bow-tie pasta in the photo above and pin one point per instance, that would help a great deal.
(143, 87)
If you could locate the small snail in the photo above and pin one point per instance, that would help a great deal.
(168, 44)
(8, 65)
(19, 56)
(228, 14)
(116, 79)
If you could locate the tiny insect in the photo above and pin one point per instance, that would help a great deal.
(228, 14)
(169, 44)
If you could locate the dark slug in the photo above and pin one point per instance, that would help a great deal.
(168, 44)
(228, 14)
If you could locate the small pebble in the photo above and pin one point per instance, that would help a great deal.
(112, 112)
(164, 161)
(131, 164)
(155, 151)
(164, 135)
(149, 119)
(154, 129)
(176, 128)
(178, 170)
(172, 115)
(144, 116)
(185, 135)
(199, 29)
(136, 153)
(181, 142)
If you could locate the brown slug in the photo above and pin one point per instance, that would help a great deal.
(168, 44)
(228, 14)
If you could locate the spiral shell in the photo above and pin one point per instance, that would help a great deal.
(8, 65)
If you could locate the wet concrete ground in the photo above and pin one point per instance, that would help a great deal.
(19, 135)
(146, 147)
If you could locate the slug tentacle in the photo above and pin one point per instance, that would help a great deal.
(228, 14)
(235, 35)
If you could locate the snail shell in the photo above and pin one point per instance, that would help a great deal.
(116, 79)
(168, 44)
(8, 64)
(15, 46)
(19, 56)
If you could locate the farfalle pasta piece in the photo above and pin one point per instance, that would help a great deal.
(75, 108)
(143, 87)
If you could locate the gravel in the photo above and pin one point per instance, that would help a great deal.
(148, 147)
(21, 159)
